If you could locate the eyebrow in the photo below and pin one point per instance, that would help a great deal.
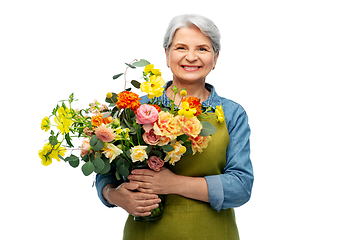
(200, 45)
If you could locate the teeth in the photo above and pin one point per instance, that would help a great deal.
(190, 67)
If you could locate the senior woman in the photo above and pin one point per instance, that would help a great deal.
(202, 189)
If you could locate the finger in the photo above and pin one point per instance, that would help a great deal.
(144, 211)
(145, 172)
(130, 185)
(145, 190)
(140, 178)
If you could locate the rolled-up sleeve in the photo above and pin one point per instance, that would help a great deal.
(233, 187)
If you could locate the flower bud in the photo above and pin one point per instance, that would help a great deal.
(109, 95)
(183, 93)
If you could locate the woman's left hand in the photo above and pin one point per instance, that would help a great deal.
(149, 181)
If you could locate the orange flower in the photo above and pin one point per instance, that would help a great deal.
(194, 102)
(97, 120)
(157, 107)
(191, 127)
(199, 143)
(128, 99)
(167, 126)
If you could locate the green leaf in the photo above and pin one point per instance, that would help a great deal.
(141, 63)
(93, 140)
(107, 167)
(99, 164)
(74, 163)
(122, 170)
(136, 84)
(117, 76)
(71, 158)
(68, 140)
(129, 65)
(106, 115)
(88, 168)
(113, 99)
(168, 148)
(99, 145)
(207, 129)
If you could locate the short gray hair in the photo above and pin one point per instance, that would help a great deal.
(205, 25)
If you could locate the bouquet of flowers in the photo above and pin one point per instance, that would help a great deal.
(125, 134)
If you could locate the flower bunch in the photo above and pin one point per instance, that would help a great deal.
(125, 133)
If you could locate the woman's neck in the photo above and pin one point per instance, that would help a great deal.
(195, 89)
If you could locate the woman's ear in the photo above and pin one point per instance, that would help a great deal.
(215, 60)
(167, 58)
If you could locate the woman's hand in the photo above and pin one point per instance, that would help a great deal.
(153, 182)
(135, 203)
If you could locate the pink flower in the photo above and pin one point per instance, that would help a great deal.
(151, 138)
(105, 134)
(155, 163)
(85, 146)
(146, 114)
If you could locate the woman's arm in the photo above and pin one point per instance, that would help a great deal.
(167, 182)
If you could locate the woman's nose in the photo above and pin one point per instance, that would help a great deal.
(191, 56)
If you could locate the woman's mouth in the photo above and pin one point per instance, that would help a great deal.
(190, 68)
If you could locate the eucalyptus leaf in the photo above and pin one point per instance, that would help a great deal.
(136, 84)
(99, 164)
(106, 168)
(117, 76)
(71, 158)
(168, 148)
(88, 168)
(93, 140)
(122, 170)
(208, 129)
(74, 163)
(99, 145)
(106, 115)
(141, 63)
(129, 65)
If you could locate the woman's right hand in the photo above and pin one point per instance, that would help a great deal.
(135, 203)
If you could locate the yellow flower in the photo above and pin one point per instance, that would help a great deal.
(109, 95)
(174, 156)
(63, 120)
(138, 153)
(154, 88)
(45, 124)
(183, 93)
(150, 69)
(220, 117)
(111, 151)
(186, 110)
(50, 152)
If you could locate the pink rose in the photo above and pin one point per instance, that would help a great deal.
(151, 138)
(146, 114)
(155, 163)
(85, 146)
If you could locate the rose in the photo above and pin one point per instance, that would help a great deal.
(167, 125)
(138, 153)
(151, 138)
(155, 163)
(85, 146)
(146, 114)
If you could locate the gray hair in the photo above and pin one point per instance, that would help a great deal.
(205, 25)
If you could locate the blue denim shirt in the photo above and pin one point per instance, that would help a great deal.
(233, 187)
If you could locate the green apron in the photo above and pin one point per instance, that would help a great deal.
(187, 219)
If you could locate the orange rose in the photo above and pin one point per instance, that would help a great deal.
(167, 126)
(191, 127)
(199, 143)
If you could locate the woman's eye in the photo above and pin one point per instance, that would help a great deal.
(180, 48)
(202, 49)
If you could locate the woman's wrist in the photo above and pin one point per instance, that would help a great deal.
(107, 192)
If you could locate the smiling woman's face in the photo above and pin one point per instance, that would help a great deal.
(191, 56)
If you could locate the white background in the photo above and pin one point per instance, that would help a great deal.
(293, 65)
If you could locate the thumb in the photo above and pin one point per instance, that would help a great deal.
(130, 186)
